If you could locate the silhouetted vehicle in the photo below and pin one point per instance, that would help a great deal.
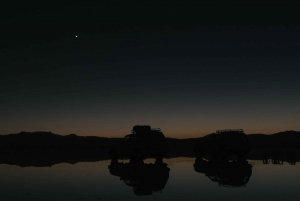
(144, 178)
(225, 173)
(224, 143)
(142, 143)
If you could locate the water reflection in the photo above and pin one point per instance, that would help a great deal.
(94, 181)
(224, 172)
(279, 156)
(144, 178)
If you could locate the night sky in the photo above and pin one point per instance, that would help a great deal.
(189, 67)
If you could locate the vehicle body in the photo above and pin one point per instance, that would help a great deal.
(224, 143)
(144, 178)
(144, 142)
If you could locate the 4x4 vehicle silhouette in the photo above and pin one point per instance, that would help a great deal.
(224, 143)
(142, 143)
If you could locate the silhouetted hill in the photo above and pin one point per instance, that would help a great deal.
(282, 139)
(51, 140)
(46, 148)
(287, 139)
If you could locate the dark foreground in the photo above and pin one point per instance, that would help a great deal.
(175, 179)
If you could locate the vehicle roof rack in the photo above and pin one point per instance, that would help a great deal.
(141, 129)
(144, 129)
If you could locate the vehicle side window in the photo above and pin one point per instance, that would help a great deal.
(134, 137)
(126, 139)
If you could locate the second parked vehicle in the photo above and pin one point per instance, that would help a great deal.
(224, 143)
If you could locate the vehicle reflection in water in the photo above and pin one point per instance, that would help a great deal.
(144, 178)
(224, 172)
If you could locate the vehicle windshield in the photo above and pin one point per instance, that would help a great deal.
(127, 181)
(128, 138)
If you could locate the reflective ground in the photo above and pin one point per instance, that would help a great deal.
(174, 179)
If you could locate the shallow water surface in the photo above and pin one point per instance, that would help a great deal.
(95, 181)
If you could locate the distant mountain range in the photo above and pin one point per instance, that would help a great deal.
(46, 148)
(51, 140)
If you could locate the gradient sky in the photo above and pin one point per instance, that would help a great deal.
(189, 68)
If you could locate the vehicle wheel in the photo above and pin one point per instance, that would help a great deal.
(158, 156)
(158, 159)
(138, 155)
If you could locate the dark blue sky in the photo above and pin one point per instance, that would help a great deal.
(188, 68)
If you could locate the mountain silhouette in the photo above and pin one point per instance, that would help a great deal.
(46, 148)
